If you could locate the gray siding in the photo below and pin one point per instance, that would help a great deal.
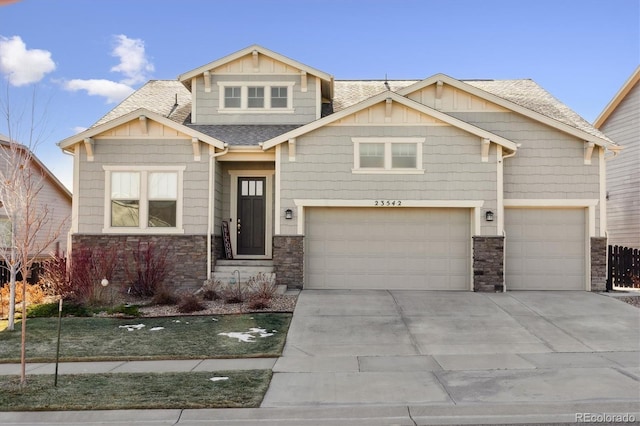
(549, 164)
(208, 104)
(139, 152)
(623, 172)
(324, 162)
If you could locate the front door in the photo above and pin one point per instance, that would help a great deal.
(251, 215)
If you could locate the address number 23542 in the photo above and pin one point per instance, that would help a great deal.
(387, 203)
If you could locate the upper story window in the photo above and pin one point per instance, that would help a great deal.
(232, 97)
(256, 97)
(387, 155)
(144, 198)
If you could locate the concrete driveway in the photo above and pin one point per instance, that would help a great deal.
(458, 349)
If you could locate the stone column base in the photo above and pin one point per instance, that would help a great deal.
(288, 259)
(488, 263)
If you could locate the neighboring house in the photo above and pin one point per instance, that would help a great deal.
(435, 184)
(620, 120)
(53, 194)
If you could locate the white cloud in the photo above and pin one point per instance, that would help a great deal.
(113, 91)
(79, 129)
(23, 66)
(133, 62)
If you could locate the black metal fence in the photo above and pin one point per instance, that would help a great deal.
(33, 277)
(624, 267)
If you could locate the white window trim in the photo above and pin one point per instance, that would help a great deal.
(244, 97)
(144, 198)
(387, 155)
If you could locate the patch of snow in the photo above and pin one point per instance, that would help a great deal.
(156, 328)
(176, 321)
(214, 319)
(217, 379)
(132, 327)
(248, 337)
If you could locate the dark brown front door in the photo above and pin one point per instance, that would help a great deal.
(251, 215)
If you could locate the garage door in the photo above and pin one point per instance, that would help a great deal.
(545, 249)
(387, 248)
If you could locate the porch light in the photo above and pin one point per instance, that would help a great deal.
(488, 216)
(288, 214)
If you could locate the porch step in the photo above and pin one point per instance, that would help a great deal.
(225, 270)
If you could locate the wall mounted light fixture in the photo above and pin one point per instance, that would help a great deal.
(488, 216)
(288, 214)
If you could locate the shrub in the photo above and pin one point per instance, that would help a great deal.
(164, 296)
(47, 310)
(190, 303)
(262, 286)
(257, 303)
(127, 310)
(55, 278)
(147, 270)
(234, 293)
(89, 265)
(212, 290)
(35, 294)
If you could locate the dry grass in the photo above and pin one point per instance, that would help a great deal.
(135, 391)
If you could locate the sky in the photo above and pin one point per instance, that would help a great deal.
(66, 63)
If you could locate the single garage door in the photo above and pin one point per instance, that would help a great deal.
(545, 249)
(387, 248)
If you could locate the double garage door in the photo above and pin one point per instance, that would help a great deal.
(430, 248)
(388, 248)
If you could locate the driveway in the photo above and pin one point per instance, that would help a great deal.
(457, 349)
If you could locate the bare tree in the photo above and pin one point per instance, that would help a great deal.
(32, 230)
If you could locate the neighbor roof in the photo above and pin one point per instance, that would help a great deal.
(622, 93)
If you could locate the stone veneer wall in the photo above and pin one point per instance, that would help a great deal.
(488, 263)
(598, 263)
(187, 255)
(288, 259)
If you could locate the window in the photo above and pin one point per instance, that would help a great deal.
(145, 199)
(279, 97)
(388, 155)
(125, 199)
(256, 97)
(232, 97)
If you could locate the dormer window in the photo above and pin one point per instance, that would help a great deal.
(256, 97)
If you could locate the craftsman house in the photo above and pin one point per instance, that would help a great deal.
(436, 184)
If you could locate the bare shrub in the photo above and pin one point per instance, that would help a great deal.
(34, 293)
(190, 303)
(262, 286)
(164, 296)
(234, 293)
(212, 290)
(148, 269)
(55, 278)
(89, 266)
(257, 303)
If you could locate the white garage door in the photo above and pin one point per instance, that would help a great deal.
(545, 249)
(387, 248)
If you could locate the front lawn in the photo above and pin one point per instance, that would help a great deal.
(228, 389)
(188, 337)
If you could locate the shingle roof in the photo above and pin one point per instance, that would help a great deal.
(168, 98)
(243, 134)
(171, 99)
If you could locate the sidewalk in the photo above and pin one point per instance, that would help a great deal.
(160, 366)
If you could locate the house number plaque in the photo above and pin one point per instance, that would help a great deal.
(387, 203)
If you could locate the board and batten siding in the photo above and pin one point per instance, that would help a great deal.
(141, 152)
(208, 103)
(623, 172)
(324, 162)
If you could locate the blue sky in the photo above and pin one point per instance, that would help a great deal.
(79, 58)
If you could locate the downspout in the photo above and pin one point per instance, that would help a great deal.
(504, 235)
(212, 182)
